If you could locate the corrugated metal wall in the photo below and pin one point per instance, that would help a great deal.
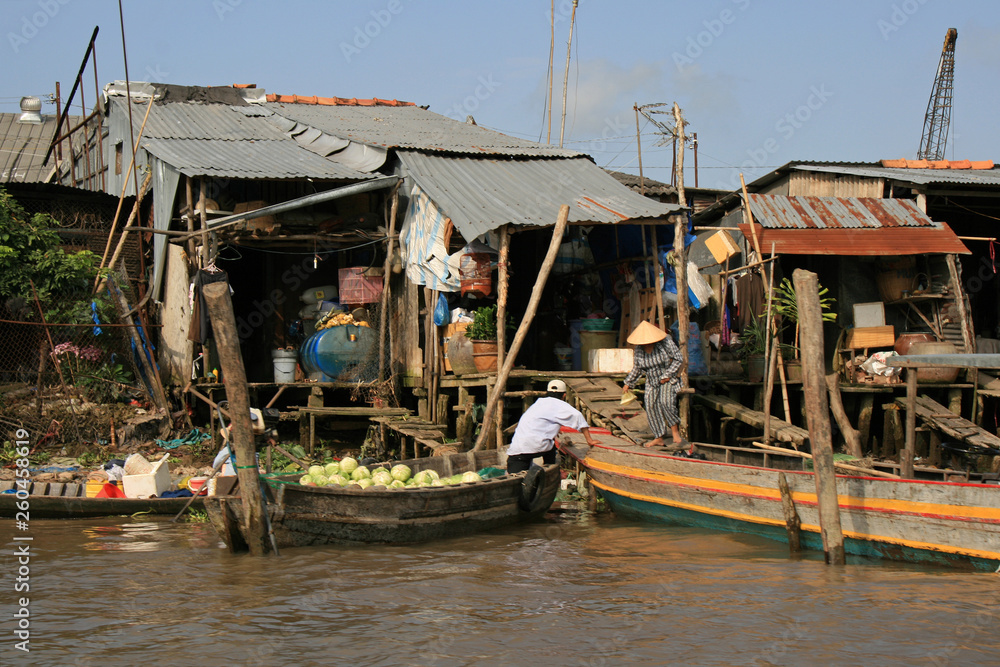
(818, 184)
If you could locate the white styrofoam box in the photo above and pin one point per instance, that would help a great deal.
(610, 360)
(870, 314)
(151, 484)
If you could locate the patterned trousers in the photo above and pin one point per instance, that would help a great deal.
(661, 407)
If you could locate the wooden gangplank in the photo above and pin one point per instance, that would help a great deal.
(419, 432)
(937, 416)
(599, 399)
(780, 429)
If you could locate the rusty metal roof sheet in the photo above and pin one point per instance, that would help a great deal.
(483, 193)
(412, 127)
(781, 212)
(868, 241)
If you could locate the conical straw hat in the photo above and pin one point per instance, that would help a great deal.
(646, 334)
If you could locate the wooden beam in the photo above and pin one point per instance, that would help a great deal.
(818, 413)
(522, 330)
(220, 310)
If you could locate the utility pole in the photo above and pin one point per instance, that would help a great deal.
(569, 47)
(680, 256)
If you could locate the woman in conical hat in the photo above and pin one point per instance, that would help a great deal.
(658, 358)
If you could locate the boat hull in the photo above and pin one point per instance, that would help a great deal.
(905, 520)
(61, 507)
(308, 515)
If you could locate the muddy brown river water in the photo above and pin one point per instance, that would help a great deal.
(575, 589)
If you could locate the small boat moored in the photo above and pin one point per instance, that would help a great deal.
(737, 489)
(302, 515)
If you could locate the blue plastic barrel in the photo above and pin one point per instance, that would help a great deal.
(345, 352)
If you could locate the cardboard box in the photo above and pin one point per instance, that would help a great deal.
(860, 338)
(722, 246)
(150, 485)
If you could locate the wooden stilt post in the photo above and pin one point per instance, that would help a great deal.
(837, 406)
(792, 521)
(522, 330)
(683, 316)
(503, 280)
(220, 310)
(383, 318)
(818, 413)
(906, 453)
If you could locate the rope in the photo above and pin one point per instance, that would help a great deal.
(192, 438)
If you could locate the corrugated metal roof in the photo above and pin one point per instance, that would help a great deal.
(247, 159)
(23, 147)
(915, 176)
(181, 120)
(412, 127)
(869, 242)
(780, 212)
(481, 194)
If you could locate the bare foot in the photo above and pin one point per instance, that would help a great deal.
(658, 442)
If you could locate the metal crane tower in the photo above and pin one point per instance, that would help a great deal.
(937, 119)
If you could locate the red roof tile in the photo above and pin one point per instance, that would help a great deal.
(938, 164)
(338, 101)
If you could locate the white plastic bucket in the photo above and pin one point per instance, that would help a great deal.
(284, 365)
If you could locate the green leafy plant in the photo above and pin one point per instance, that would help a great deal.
(88, 460)
(196, 516)
(785, 304)
(484, 324)
(30, 253)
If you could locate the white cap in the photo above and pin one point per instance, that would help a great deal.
(556, 387)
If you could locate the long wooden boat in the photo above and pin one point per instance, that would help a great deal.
(69, 501)
(736, 489)
(309, 515)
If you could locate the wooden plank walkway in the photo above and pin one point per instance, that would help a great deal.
(599, 399)
(780, 429)
(937, 416)
(417, 432)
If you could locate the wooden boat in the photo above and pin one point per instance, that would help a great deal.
(70, 501)
(736, 489)
(309, 515)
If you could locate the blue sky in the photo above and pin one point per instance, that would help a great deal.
(761, 82)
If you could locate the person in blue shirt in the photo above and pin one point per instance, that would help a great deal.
(539, 425)
(659, 359)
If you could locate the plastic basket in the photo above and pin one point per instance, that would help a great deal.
(356, 287)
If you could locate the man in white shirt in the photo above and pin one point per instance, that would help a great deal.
(539, 425)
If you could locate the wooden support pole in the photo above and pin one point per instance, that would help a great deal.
(220, 310)
(680, 270)
(818, 414)
(121, 198)
(383, 318)
(522, 330)
(909, 444)
(503, 278)
(792, 521)
(837, 406)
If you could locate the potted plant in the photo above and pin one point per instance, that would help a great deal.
(482, 331)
